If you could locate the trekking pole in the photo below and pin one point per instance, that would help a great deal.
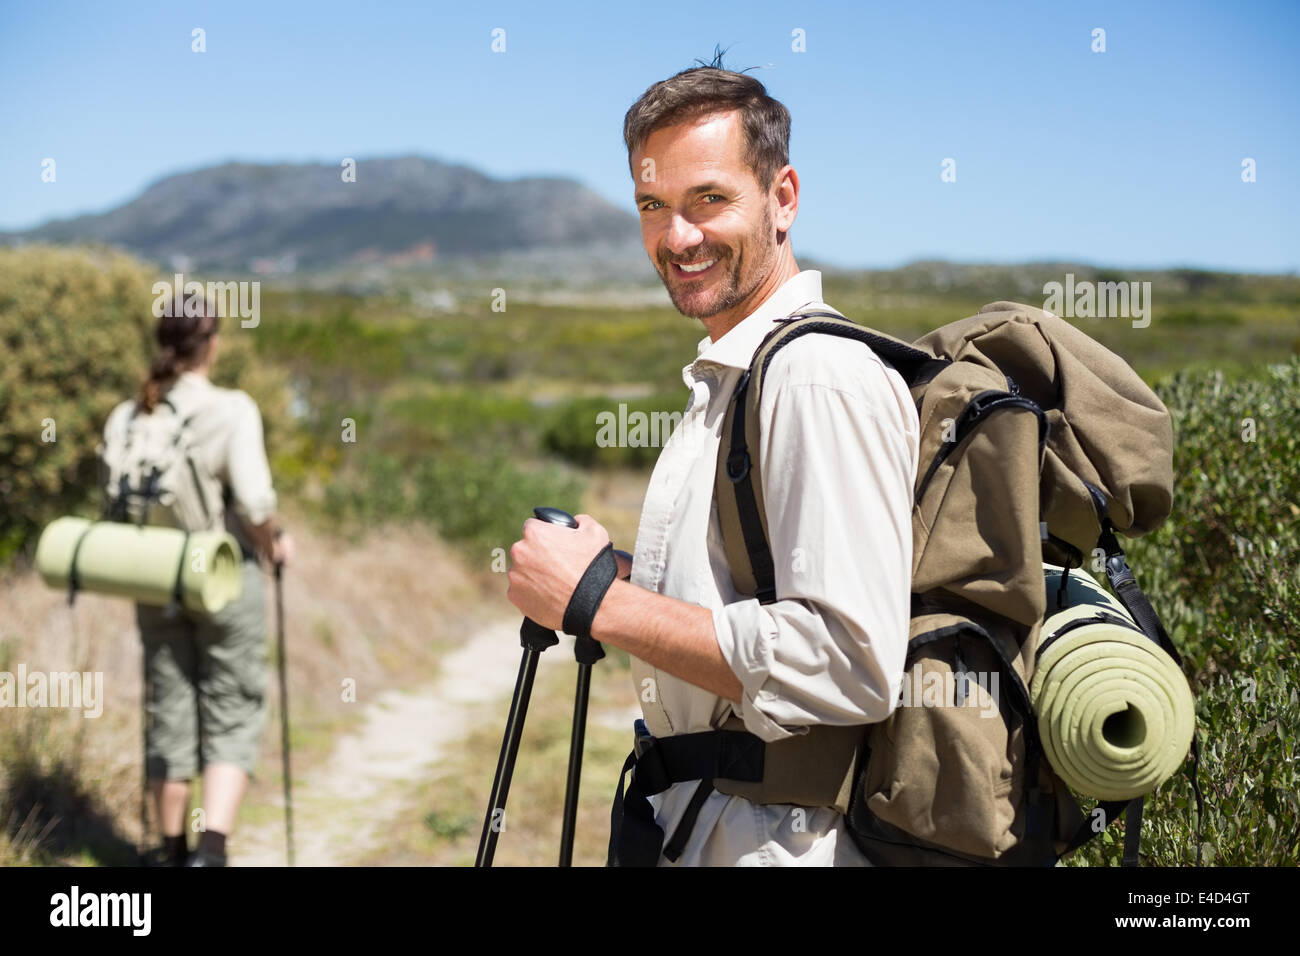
(284, 707)
(144, 755)
(534, 639)
(587, 650)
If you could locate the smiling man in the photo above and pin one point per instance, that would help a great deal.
(717, 196)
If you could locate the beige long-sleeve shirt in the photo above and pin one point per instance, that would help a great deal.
(838, 457)
(228, 435)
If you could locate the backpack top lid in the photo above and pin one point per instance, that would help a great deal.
(1106, 426)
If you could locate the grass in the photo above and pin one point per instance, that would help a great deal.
(56, 805)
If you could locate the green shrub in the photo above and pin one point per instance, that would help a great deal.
(1224, 574)
(465, 419)
(479, 501)
(608, 432)
(1191, 315)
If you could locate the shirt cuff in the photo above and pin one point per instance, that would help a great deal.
(745, 635)
(258, 511)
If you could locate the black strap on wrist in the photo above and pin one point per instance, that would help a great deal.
(600, 574)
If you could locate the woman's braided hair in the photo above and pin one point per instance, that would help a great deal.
(182, 335)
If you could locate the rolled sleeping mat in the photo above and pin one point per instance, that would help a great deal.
(142, 563)
(1115, 713)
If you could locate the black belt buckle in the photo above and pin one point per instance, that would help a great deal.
(649, 773)
(643, 738)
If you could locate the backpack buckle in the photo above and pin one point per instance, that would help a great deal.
(738, 465)
(649, 772)
(641, 735)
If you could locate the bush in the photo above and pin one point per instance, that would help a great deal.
(479, 501)
(76, 336)
(1224, 574)
(471, 420)
(586, 431)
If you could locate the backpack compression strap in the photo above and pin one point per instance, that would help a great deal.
(1124, 583)
(74, 575)
(178, 591)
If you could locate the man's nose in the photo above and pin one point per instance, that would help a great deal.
(682, 234)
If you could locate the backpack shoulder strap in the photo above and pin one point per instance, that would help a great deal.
(738, 488)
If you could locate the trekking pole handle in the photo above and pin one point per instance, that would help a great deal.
(532, 636)
(555, 516)
(587, 649)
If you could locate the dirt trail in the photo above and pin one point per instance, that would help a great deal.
(340, 809)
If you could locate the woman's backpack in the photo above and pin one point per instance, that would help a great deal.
(153, 474)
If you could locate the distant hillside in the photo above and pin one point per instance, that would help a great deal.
(408, 211)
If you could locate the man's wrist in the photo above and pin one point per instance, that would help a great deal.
(603, 624)
(588, 596)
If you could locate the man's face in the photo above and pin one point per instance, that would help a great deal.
(699, 202)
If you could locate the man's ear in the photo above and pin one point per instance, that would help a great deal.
(786, 192)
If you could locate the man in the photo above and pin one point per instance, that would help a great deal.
(708, 152)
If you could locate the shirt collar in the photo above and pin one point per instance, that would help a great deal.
(736, 348)
(188, 380)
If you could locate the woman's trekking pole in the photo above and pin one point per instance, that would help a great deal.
(284, 708)
(534, 638)
(144, 763)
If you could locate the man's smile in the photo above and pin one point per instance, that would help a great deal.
(693, 270)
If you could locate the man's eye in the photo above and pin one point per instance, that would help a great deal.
(650, 206)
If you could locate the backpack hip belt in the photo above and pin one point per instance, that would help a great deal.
(814, 770)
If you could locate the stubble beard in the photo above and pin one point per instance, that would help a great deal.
(728, 290)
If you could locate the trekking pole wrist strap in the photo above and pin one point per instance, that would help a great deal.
(586, 598)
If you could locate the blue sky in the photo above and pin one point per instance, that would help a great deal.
(1131, 157)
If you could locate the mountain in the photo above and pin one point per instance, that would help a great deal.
(407, 211)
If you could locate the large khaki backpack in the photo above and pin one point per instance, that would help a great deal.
(1036, 445)
(153, 474)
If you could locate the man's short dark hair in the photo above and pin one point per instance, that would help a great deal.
(706, 89)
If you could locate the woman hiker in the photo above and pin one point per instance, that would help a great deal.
(206, 674)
